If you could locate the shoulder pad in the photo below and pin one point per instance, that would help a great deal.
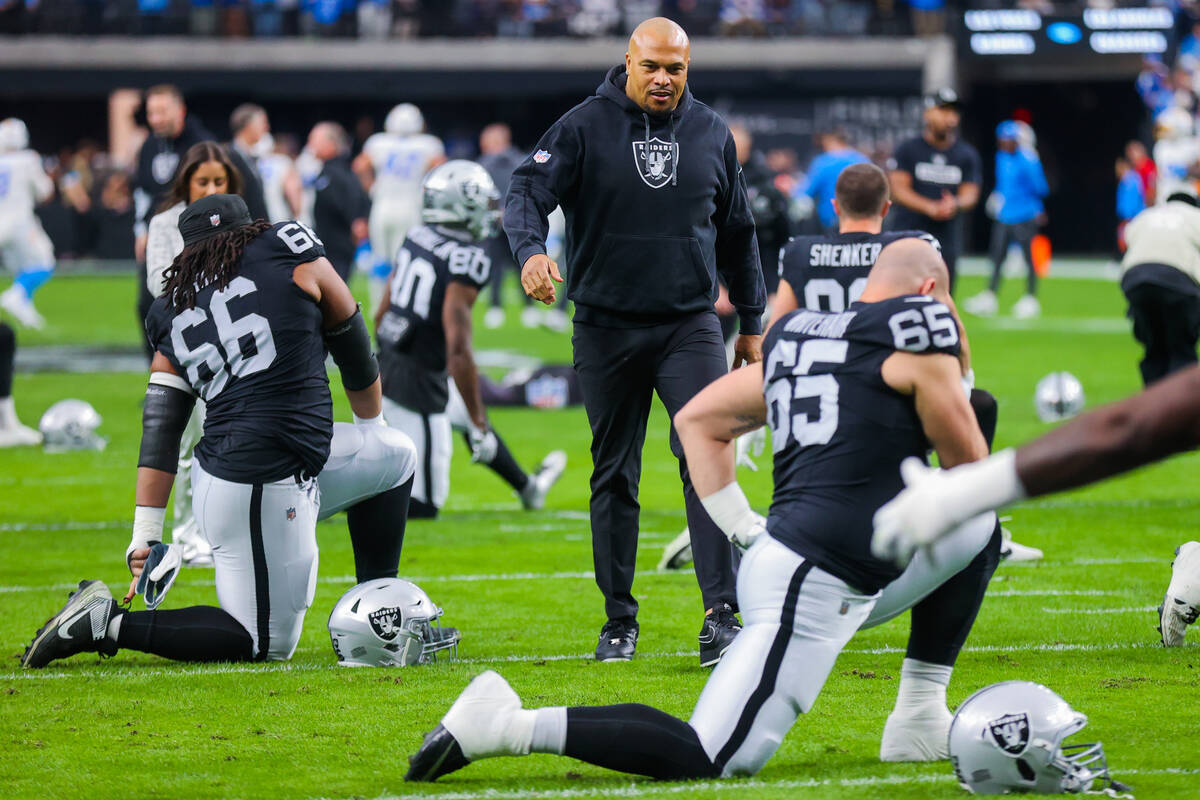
(292, 241)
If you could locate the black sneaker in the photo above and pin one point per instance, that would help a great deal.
(81, 626)
(618, 640)
(439, 755)
(720, 628)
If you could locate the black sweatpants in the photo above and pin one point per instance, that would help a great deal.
(1167, 323)
(619, 369)
(1002, 236)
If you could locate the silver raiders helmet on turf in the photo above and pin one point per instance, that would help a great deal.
(1058, 396)
(1008, 737)
(389, 622)
(462, 193)
(71, 425)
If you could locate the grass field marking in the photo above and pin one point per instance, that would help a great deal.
(21, 527)
(348, 580)
(1127, 610)
(194, 670)
(1101, 325)
(650, 788)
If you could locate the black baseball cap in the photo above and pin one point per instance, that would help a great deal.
(942, 98)
(211, 215)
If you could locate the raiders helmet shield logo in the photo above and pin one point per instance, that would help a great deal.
(655, 161)
(1011, 733)
(385, 622)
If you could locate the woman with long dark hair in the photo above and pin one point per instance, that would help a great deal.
(248, 313)
(206, 170)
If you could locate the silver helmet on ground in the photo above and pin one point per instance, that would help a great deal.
(389, 622)
(1008, 737)
(71, 425)
(461, 193)
(1058, 396)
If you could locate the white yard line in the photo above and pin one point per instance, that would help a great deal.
(651, 789)
(194, 670)
(1102, 611)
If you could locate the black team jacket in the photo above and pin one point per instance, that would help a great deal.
(655, 206)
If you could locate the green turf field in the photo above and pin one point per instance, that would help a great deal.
(518, 586)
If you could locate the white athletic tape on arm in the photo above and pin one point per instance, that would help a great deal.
(376, 420)
(171, 380)
(731, 511)
(148, 524)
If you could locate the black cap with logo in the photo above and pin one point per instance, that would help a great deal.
(943, 98)
(211, 215)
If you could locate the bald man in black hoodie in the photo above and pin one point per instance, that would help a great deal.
(656, 207)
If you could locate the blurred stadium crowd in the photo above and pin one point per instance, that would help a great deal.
(475, 18)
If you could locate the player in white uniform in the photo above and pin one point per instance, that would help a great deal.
(1176, 152)
(25, 248)
(280, 179)
(399, 158)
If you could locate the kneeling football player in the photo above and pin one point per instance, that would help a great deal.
(423, 325)
(848, 397)
(248, 313)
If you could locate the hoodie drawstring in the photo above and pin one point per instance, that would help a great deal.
(674, 153)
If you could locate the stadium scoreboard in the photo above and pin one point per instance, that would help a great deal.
(1096, 33)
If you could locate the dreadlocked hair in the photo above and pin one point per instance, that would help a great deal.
(212, 261)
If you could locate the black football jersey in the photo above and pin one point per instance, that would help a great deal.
(254, 353)
(412, 341)
(828, 272)
(838, 431)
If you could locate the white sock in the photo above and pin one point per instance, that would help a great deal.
(550, 730)
(114, 627)
(922, 686)
(8, 412)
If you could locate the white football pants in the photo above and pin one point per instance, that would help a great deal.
(388, 224)
(264, 547)
(797, 618)
(364, 460)
(430, 433)
(25, 245)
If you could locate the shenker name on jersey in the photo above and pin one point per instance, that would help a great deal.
(858, 254)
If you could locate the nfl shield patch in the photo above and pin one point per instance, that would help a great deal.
(215, 219)
(291, 513)
(541, 156)
(655, 161)
(1011, 733)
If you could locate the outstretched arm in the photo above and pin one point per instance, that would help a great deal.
(707, 427)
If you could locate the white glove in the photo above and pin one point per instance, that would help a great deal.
(912, 518)
(749, 446)
(936, 501)
(162, 567)
(484, 445)
(968, 383)
(746, 537)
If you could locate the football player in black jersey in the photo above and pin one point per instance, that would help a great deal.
(423, 326)
(248, 312)
(828, 273)
(848, 397)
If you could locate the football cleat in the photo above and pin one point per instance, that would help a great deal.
(16, 302)
(195, 549)
(531, 317)
(618, 641)
(717, 633)
(81, 626)
(919, 737)
(1015, 551)
(18, 435)
(493, 318)
(982, 305)
(1027, 307)
(484, 721)
(1181, 604)
(556, 320)
(677, 554)
(533, 496)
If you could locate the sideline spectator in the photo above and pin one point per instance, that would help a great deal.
(249, 124)
(1139, 159)
(499, 157)
(341, 205)
(1131, 198)
(836, 154)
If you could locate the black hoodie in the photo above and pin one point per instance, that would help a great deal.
(655, 206)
